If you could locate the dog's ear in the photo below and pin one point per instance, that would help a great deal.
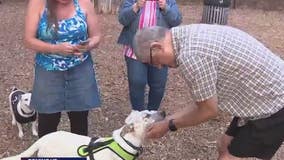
(131, 117)
(14, 88)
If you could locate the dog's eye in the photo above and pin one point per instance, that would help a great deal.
(26, 99)
(147, 115)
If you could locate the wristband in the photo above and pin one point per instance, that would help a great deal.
(172, 126)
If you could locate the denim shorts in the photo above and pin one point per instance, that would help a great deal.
(72, 90)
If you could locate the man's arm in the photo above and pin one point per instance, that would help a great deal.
(189, 116)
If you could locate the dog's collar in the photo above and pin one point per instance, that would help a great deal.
(23, 113)
(129, 147)
(29, 114)
(138, 149)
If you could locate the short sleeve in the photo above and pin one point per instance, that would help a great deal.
(200, 73)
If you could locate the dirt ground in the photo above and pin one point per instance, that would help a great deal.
(195, 143)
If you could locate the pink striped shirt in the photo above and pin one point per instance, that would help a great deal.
(148, 18)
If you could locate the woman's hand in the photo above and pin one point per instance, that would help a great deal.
(94, 42)
(64, 48)
(87, 45)
(162, 4)
(139, 4)
(82, 47)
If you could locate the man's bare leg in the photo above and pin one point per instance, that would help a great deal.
(223, 144)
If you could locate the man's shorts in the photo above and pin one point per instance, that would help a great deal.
(259, 138)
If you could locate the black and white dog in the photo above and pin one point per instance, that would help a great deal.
(21, 110)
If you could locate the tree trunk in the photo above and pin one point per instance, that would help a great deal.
(107, 6)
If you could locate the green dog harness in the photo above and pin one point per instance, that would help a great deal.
(107, 143)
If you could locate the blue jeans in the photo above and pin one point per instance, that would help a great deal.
(140, 74)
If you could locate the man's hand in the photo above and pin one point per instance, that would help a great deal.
(188, 116)
(162, 4)
(158, 129)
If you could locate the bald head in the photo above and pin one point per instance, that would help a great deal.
(143, 39)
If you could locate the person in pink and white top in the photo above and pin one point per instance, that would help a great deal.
(135, 15)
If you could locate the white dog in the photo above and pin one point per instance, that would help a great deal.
(125, 143)
(21, 110)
